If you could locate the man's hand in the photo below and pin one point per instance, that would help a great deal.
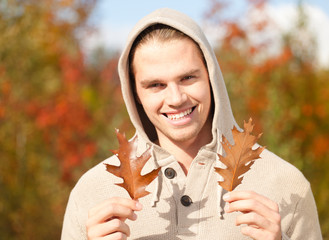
(260, 214)
(107, 220)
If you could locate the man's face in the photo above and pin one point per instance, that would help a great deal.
(173, 87)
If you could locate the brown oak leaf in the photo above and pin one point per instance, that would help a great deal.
(131, 166)
(239, 157)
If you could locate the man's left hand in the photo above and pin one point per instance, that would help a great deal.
(260, 214)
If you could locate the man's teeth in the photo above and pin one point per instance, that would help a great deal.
(179, 115)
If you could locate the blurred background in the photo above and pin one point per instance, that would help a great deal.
(60, 98)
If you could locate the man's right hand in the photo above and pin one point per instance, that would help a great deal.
(107, 220)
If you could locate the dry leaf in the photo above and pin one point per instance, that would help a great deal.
(131, 166)
(239, 157)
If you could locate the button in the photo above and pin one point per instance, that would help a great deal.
(186, 200)
(170, 173)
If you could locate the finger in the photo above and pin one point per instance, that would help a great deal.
(256, 220)
(259, 234)
(252, 232)
(244, 195)
(111, 211)
(113, 226)
(115, 236)
(107, 206)
(133, 204)
(252, 205)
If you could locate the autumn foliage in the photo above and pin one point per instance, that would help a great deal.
(130, 168)
(285, 91)
(57, 113)
(239, 156)
(58, 109)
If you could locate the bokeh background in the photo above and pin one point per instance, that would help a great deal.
(60, 97)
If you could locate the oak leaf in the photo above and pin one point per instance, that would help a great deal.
(239, 157)
(131, 166)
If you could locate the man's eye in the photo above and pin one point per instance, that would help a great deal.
(188, 77)
(155, 85)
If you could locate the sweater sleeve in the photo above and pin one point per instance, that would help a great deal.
(305, 224)
(72, 228)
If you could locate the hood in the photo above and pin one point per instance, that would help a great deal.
(223, 120)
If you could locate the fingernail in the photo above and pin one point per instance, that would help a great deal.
(139, 206)
(226, 196)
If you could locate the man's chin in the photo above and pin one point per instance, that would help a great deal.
(182, 136)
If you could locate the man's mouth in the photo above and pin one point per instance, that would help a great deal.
(181, 115)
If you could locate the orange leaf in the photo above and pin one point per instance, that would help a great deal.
(239, 157)
(131, 166)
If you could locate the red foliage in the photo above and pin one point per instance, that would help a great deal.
(274, 62)
(307, 110)
(65, 123)
(72, 69)
(258, 3)
(110, 72)
(216, 8)
(64, 119)
(320, 146)
(234, 31)
(321, 111)
(5, 90)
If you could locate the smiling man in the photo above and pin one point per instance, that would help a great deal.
(174, 91)
(177, 101)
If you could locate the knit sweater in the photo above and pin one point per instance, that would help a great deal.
(190, 206)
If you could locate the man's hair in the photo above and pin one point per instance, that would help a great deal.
(158, 32)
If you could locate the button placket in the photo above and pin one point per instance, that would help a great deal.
(195, 185)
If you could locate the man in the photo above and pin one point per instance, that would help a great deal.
(177, 101)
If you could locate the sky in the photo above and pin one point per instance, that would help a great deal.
(114, 19)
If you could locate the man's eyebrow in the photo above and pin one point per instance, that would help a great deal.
(146, 82)
(189, 73)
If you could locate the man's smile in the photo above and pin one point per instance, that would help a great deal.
(180, 115)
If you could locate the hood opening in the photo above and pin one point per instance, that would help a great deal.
(149, 128)
(221, 113)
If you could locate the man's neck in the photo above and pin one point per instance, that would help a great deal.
(184, 152)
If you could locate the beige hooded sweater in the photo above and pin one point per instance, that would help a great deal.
(163, 215)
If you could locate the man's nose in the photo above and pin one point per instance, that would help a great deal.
(175, 95)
